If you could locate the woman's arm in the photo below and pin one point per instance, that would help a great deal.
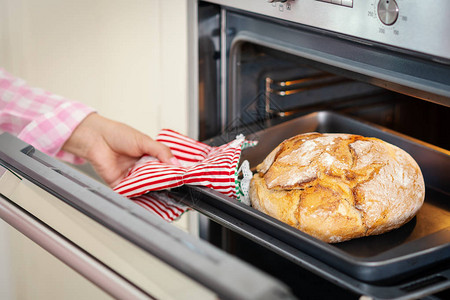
(113, 147)
(73, 131)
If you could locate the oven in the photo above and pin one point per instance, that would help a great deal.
(269, 70)
(274, 69)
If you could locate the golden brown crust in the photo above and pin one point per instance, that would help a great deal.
(338, 186)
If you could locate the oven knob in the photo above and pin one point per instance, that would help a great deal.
(388, 11)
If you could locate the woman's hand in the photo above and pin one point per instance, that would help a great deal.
(112, 147)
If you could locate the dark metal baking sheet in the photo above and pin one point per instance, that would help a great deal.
(422, 243)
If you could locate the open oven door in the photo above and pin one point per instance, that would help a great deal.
(113, 242)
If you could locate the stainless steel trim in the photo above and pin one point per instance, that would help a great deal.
(86, 265)
(192, 78)
(223, 68)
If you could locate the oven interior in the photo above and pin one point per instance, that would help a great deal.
(248, 86)
(275, 86)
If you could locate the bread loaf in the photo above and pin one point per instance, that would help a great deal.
(337, 187)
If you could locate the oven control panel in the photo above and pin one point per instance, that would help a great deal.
(387, 11)
(415, 25)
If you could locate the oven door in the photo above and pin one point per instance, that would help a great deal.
(122, 248)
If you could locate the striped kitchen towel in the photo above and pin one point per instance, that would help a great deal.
(201, 164)
(162, 205)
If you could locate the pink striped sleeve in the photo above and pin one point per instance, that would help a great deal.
(39, 118)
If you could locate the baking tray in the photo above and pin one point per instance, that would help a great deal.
(422, 243)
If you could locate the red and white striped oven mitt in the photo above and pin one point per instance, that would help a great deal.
(201, 164)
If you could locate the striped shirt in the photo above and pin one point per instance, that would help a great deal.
(38, 117)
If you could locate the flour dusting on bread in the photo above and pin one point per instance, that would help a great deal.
(338, 186)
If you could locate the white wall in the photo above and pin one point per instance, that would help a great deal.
(126, 58)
